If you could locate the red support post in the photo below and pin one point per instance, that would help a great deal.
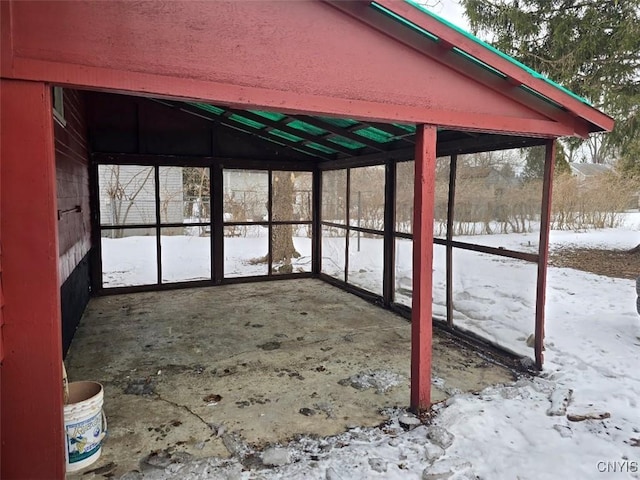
(421, 304)
(31, 406)
(543, 252)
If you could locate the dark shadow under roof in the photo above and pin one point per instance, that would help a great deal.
(330, 139)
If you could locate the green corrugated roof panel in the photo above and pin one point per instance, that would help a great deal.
(320, 148)
(370, 133)
(288, 136)
(346, 142)
(408, 128)
(276, 117)
(476, 40)
(375, 134)
(338, 122)
(297, 124)
(300, 125)
(246, 121)
(209, 108)
(259, 128)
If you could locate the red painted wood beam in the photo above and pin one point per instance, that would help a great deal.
(543, 250)
(173, 88)
(421, 303)
(31, 396)
(498, 62)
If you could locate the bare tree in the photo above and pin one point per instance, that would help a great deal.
(196, 189)
(282, 248)
(122, 187)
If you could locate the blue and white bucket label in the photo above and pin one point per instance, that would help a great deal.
(84, 437)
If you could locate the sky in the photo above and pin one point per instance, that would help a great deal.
(450, 10)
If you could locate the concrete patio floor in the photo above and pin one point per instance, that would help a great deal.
(201, 371)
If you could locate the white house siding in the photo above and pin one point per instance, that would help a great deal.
(127, 196)
(246, 194)
(171, 195)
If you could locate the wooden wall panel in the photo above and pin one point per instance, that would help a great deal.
(137, 125)
(72, 183)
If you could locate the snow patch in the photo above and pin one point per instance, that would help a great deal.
(276, 457)
(440, 437)
(380, 380)
(560, 400)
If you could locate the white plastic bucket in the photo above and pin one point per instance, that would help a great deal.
(85, 424)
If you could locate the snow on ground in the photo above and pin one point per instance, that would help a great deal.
(525, 430)
(593, 349)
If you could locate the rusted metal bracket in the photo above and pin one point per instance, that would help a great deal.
(77, 208)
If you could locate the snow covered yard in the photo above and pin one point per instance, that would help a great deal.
(579, 419)
(592, 358)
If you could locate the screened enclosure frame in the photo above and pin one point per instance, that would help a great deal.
(216, 223)
(389, 233)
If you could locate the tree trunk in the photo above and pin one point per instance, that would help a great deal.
(282, 248)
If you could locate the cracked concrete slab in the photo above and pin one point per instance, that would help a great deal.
(202, 372)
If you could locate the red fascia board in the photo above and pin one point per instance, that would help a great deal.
(601, 121)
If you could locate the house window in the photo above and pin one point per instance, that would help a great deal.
(57, 94)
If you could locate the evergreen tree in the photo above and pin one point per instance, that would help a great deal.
(562, 165)
(590, 46)
(534, 163)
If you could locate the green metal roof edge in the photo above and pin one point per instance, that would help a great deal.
(407, 23)
(479, 62)
(500, 53)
